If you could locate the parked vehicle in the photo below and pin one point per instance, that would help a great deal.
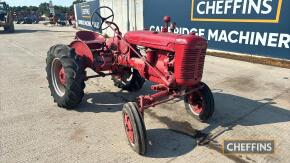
(28, 20)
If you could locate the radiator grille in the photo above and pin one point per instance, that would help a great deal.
(192, 64)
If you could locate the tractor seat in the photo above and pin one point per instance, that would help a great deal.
(92, 39)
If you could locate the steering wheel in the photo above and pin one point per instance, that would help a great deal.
(97, 17)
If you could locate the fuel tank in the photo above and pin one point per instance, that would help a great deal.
(161, 40)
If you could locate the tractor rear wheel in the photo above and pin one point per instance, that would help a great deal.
(135, 128)
(131, 80)
(200, 104)
(65, 75)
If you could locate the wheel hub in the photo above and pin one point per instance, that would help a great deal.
(196, 103)
(197, 109)
(129, 128)
(62, 76)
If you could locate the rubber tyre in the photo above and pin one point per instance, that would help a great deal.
(74, 76)
(140, 138)
(208, 105)
(135, 84)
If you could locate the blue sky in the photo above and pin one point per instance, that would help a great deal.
(37, 2)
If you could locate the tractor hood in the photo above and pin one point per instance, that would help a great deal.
(161, 40)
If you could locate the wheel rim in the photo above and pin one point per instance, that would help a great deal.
(58, 77)
(196, 103)
(129, 128)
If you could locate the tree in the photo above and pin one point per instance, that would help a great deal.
(78, 1)
(43, 8)
(75, 2)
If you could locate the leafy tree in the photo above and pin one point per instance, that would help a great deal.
(76, 2)
(43, 8)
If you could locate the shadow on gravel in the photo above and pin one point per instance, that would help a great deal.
(23, 31)
(181, 137)
(103, 102)
(163, 143)
(110, 101)
(17, 31)
(231, 111)
(234, 110)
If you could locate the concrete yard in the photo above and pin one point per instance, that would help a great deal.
(252, 102)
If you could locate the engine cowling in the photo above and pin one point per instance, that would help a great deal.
(189, 52)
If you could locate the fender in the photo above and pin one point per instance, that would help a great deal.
(83, 50)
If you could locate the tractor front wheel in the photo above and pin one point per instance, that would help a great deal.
(200, 104)
(65, 75)
(135, 128)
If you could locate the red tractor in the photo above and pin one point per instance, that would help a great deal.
(173, 61)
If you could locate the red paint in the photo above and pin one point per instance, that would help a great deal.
(173, 61)
(111, 42)
(197, 109)
(129, 128)
(88, 36)
(61, 76)
(151, 56)
(82, 49)
(196, 102)
(166, 20)
(189, 63)
(154, 40)
(92, 39)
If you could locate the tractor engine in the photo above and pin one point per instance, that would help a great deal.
(179, 58)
